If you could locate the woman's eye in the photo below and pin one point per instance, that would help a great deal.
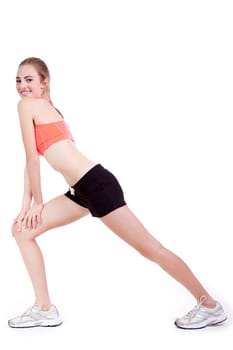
(29, 80)
(18, 81)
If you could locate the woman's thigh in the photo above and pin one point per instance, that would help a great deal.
(128, 227)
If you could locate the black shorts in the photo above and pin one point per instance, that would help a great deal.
(99, 191)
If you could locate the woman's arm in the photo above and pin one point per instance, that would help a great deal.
(27, 193)
(25, 110)
(32, 179)
(26, 202)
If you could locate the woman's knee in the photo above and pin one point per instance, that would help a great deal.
(14, 230)
(21, 236)
(17, 234)
(151, 251)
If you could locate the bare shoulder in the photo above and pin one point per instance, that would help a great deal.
(32, 108)
(27, 108)
(29, 102)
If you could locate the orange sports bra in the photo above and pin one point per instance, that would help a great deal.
(49, 133)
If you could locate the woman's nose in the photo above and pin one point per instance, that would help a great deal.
(23, 84)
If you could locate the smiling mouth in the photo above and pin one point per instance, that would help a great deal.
(25, 93)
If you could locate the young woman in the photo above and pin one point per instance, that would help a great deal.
(93, 189)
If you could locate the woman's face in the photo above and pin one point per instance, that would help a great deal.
(28, 82)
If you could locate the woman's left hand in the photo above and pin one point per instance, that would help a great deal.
(33, 217)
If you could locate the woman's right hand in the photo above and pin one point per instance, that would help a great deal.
(19, 220)
(32, 218)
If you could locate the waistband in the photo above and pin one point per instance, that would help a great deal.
(95, 169)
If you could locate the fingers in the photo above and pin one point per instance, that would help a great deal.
(38, 219)
(18, 222)
(34, 221)
(29, 222)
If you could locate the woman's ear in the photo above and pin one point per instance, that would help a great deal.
(44, 84)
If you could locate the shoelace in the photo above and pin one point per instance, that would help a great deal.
(192, 313)
(26, 312)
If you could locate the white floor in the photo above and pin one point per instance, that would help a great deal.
(146, 87)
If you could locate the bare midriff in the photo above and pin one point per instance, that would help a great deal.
(71, 167)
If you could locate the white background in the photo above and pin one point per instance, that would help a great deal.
(146, 87)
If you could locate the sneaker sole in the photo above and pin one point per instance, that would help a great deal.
(42, 324)
(201, 327)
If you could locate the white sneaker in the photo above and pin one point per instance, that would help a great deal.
(35, 317)
(201, 317)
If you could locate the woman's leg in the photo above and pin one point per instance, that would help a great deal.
(59, 211)
(126, 225)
